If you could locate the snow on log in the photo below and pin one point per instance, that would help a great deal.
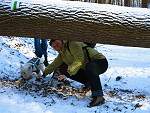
(80, 21)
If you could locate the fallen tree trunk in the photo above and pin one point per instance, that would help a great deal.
(78, 21)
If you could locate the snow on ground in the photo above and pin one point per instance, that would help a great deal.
(125, 84)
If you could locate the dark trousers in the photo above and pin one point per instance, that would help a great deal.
(40, 47)
(90, 75)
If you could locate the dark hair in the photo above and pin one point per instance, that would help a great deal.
(51, 41)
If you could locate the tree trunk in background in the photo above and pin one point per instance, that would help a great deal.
(108, 1)
(115, 25)
(99, 1)
(145, 3)
(133, 3)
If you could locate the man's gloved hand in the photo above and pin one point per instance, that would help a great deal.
(61, 77)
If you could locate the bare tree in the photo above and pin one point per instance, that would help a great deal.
(132, 3)
(127, 3)
(145, 3)
(108, 2)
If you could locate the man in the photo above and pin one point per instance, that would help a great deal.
(82, 64)
(41, 49)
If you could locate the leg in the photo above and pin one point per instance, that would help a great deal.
(44, 46)
(93, 69)
(44, 50)
(90, 76)
(38, 49)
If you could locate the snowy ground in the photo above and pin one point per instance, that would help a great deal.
(125, 84)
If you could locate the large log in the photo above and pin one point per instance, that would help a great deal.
(70, 20)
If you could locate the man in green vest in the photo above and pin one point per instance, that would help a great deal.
(82, 64)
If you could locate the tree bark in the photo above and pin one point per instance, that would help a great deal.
(127, 3)
(108, 2)
(81, 22)
(144, 3)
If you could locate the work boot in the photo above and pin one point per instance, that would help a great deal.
(96, 101)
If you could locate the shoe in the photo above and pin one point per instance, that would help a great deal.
(96, 101)
(46, 63)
